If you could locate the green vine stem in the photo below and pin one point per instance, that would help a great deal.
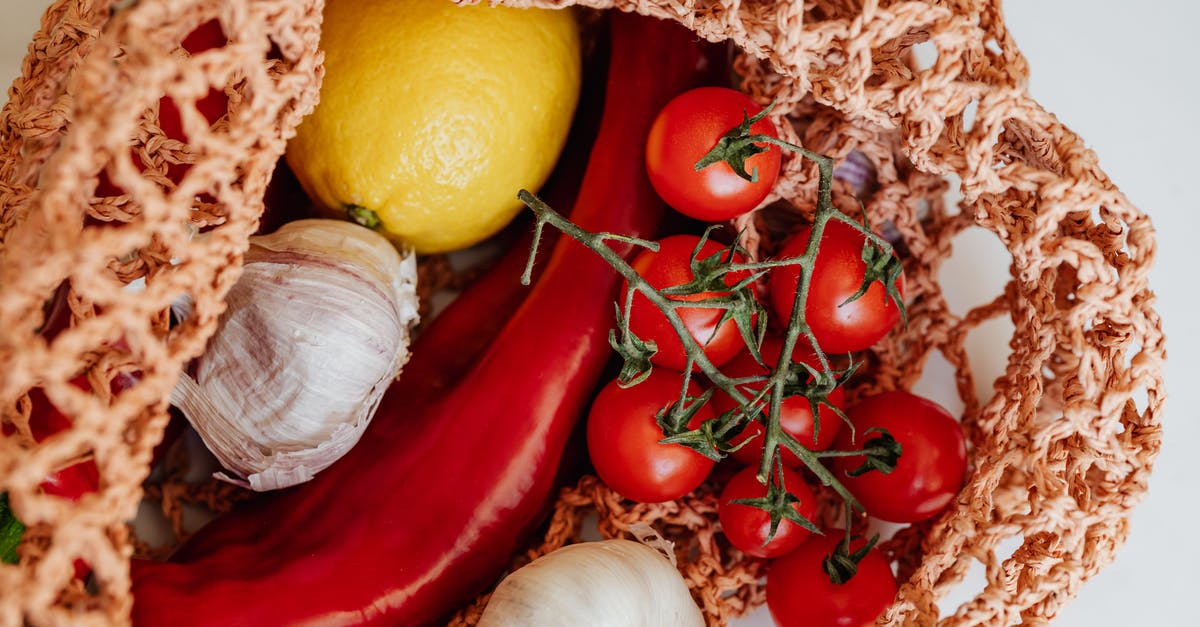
(597, 242)
(881, 452)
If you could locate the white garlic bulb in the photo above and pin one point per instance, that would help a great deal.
(613, 583)
(315, 330)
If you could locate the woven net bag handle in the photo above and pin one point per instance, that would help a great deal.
(81, 96)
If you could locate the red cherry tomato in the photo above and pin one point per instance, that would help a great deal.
(933, 458)
(800, 593)
(668, 267)
(747, 527)
(623, 441)
(795, 412)
(684, 132)
(837, 275)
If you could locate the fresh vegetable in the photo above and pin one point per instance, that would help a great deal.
(700, 166)
(795, 412)
(594, 584)
(746, 522)
(810, 588)
(623, 440)
(314, 331)
(11, 531)
(928, 475)
(712, 437)
(432, 115)
(453, 341)
(670, 266)
(842, 316)
(431, 504)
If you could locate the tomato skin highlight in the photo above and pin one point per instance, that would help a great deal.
(747, 527)
(795, 412)
(800, 594)
(686, 130)
(837, 275)
(933, 460)
(668, 267)
(623, 441)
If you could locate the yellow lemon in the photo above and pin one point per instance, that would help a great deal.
(432, 116)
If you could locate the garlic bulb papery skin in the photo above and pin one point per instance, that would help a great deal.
(614, 583)
(315, 330)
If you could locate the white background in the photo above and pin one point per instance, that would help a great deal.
(1124, 76)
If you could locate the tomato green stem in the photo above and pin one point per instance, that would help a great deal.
(775, 436)
(776, 388)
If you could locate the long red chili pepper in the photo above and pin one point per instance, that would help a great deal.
(445, 350)
(433, 502)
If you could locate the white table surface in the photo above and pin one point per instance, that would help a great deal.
(1125, 79)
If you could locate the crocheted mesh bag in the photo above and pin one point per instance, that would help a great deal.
(1060, 453)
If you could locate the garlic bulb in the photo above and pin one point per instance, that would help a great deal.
(614, 583)
(315, 330)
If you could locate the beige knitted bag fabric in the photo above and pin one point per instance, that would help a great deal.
(1060, 453)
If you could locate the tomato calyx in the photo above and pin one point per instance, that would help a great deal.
(816, 386)
(710, 275)
(635, 352)
(842, 565)
(707, 288)
(738, 144)
(880, 453)
(779, 504)
(884, 267)
(674, 418)
(705, 439)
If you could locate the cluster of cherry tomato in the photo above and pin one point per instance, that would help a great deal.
(624, 437)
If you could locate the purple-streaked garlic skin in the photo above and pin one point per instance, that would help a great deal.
(315, 330)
